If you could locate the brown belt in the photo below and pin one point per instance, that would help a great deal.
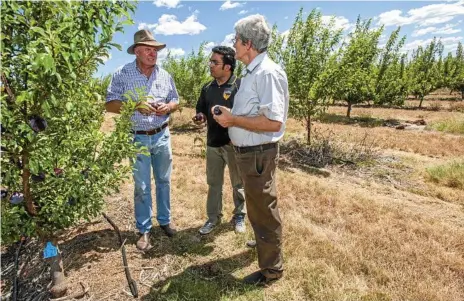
(254, 148)
(151, 132)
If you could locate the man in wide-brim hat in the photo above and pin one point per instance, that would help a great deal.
(150, 128)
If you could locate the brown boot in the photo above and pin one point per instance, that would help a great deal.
(143, 244)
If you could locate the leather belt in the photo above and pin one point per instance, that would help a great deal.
(151, 132)
(255, 148)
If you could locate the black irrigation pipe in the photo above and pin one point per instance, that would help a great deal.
(130, 281)
(16, 265)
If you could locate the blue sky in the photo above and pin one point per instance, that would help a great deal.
(184, 25)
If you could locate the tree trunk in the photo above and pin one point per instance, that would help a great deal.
(28, 201)
(308, 130)
(420, 103)
(60, 286)
(348, 112)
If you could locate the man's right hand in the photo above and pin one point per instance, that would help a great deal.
(145, 108)
(199, 118)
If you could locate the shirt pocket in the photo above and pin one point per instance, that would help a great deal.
(159, 91)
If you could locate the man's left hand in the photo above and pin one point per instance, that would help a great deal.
(162, 109)
(226, 119)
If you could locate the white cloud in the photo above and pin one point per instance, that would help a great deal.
(229, 4)
(242, 12)
(169, 25)
(449, 44)
(447, 29)
(340, 22)
(175, 52)
(286, 17)
(146, 26)
(167, 3)
(209, 46)
(423, 16)
(423, 31)
(228, 40)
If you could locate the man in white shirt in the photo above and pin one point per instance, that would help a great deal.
(256, 124)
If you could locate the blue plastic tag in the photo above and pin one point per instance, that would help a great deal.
(50, 250)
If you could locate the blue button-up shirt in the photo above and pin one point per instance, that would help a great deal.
(129, 83)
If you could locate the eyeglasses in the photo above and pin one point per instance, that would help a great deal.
(234, 40)
(215, 63)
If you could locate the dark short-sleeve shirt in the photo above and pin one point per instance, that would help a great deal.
(211, 95)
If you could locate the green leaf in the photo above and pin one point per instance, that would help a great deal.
(117, 46)
(69, 106)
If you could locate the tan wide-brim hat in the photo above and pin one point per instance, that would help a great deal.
(145, 37)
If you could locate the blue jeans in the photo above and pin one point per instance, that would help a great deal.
(160, 159)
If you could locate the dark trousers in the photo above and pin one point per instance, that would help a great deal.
(258, 172)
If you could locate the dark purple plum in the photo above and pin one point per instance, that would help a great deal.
(37, 123)
(85, 173)
(58, 172)
(4, 194)
(16, 198)
(217, 111)
(198, 117)
(39, 177)
(72, 201)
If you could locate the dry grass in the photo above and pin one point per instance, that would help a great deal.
(421, 142)
(399, 114)
(379, 232)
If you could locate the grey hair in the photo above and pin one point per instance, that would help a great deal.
(255, 29)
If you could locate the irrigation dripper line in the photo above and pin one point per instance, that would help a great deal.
(16, 265)
(130, 281)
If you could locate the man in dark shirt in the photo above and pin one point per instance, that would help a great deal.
(219, 152)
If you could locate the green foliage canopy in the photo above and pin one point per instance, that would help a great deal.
(65, 168)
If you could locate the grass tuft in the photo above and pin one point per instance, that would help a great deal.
(451, 174)
(453, 126)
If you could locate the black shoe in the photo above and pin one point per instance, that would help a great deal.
(257, 278)
(168, 230)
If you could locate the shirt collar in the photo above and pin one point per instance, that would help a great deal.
(230, 82)
(134, 66)
(255, 62)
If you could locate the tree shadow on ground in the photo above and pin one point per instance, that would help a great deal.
(96, 242)
(33, 277)
(187, 241)
(212, 281)
(400, 107)
(362, 121)
(292, 167)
